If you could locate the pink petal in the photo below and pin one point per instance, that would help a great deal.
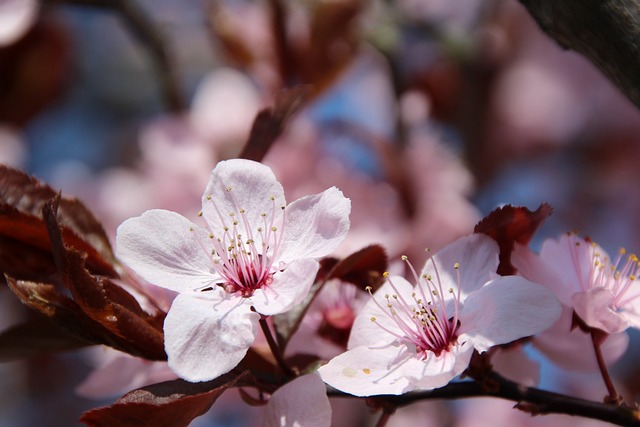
(554, 268)
(514, 364)
(593, 307)
(208, 335)
(315, 225)
(16, 17)
(166, 249)
(121, 374)
(239, 184)
(366, 333)
(477, 256)
(506, 309)
(570, 259)
(572, 349)
(365, 371)
(302, 402)
(288, 288)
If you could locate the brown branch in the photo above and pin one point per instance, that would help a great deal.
(529, 399)
(144, 30)
(607, 32)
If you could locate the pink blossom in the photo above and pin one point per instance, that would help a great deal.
(16, 18)
(302, 402)
(602, 291)
(254, 256)
(421, 336)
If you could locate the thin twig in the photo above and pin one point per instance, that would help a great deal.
(613, 394)
(530, 399)
(147, 33)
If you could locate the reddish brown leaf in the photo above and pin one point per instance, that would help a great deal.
(65, 313)
(363, 268)
(34, 338)
(103, 301)
(510, 224)
(168, 404)
(270, 122)
(22, 198)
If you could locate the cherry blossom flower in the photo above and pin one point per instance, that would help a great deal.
(254, 256)
(423, 335)
(602, 291)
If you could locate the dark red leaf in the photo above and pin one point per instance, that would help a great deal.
(270, 122)
(168, 404)
(363, 268)
(64, 312)
(22, 198)
(34, 338)
(103, 301)
(510, 224)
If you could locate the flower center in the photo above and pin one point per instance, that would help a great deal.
(423, 320)
(617, 276)
(243, 253)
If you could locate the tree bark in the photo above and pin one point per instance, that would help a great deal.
(607, 32)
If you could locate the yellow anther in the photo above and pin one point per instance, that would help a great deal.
(385, 274)
(274, 228)
(207, 197)
(373, 319)
(225, 228)
(242, 211)
(263, 214)
(632, 277)
(272, 198)
(199, 213)
(368, 289)
(235, 222)
(456, 265)
(404, 257)
(190, 228)
(395, 296)
(210, 236)
(229, 188)
(259, 229)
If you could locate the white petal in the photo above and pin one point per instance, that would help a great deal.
(301, 403)
(288, 288)
(477, 256)
(438, 371)
(365, 371)
(205, 336)
(364, 332)
(315, 225)
(593, 307)
(166, 249)
(240, 184)
(506, 309)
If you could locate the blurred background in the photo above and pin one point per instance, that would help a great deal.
(428, 114)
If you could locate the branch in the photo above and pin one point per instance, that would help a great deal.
(152, 39)
(607, 32)
(529, 399)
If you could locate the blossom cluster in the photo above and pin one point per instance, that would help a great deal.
(256, 257)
